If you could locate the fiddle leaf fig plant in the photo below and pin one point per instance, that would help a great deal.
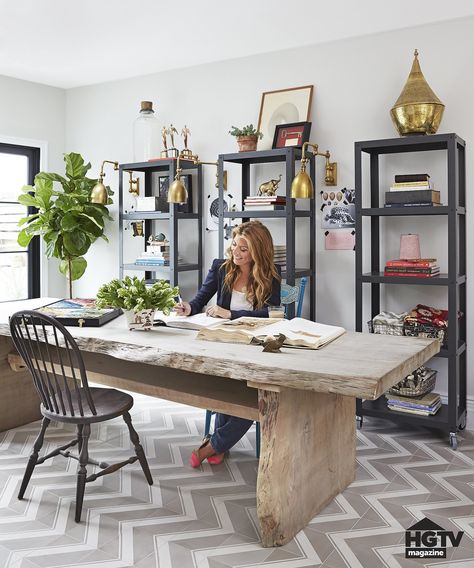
(66, 219)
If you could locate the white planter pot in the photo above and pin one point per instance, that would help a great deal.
(142, 320)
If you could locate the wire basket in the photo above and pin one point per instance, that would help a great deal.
(420, 382)
(428, 330)
(381, 326)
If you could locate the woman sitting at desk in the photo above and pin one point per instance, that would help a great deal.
(247, 282)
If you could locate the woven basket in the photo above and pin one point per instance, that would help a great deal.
(425, 386)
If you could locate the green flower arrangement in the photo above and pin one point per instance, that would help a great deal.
(133, 294)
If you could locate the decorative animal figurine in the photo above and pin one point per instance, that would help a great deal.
(272, 344)
(269, 187)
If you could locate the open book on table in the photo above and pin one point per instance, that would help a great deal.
(299, 332)
(197, 322)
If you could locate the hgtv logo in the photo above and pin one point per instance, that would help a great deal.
(426, 539)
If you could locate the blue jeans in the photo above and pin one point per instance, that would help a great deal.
(227, 431)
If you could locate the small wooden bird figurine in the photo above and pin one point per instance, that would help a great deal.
(272, 344)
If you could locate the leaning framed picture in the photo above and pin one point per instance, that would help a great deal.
(284, 106)
(161, 191)
(292, 135)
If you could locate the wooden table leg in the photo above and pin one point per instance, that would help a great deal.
(19, 401)
(307, 457)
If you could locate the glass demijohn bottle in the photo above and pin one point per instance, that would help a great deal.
(146, 134)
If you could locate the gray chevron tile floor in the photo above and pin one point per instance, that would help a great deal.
(206, 518)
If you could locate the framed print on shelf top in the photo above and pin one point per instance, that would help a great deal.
(162, 193)
(292, 135)
(285, 106)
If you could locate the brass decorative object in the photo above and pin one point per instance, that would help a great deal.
(417, 110)
(269, 187)
(186, 153)
(133, 185)
(171, 152)
(272, 344)
(99, 191)
(302, 186)
(137, 228)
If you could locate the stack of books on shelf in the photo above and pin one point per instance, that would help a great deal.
(280, 256)
(420, 268)
(156, 254)
(264, 202)
(426, 405)
(412, 190)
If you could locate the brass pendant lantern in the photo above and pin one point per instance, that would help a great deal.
(417, 110)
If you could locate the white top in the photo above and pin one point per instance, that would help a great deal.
(238, 301)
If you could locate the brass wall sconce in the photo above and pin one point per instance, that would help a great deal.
(177, 192)
(99, 191)
(137, 228)
(133, 185)
(302, 186)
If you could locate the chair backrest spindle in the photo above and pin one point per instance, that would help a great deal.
(31, 336)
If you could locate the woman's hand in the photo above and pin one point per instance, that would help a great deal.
(183, 309)
(218, 312)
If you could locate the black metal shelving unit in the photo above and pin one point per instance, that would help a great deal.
(164, 167)
(288, 156)
(452, 416)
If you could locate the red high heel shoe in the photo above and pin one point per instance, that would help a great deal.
(216, 459)
(195, 461)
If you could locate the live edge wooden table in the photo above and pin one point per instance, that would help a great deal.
(304, 399)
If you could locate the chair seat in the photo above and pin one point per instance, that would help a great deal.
(109, 403)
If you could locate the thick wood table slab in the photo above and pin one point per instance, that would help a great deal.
(304, 399)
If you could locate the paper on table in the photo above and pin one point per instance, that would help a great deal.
(196, 322)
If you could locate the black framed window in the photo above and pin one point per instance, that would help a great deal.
(19, 266)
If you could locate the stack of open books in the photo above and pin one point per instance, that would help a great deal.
(298, 332)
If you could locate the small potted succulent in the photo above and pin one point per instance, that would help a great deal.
(247, 137)
(138, 300)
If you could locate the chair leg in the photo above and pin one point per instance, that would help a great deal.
(257, 439)
(207, 425)
(79, 428)
(33, 457)
(82, 470)
(138, 448)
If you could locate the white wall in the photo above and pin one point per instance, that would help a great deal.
(33, 114)
(356, 83)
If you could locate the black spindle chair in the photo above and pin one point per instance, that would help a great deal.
(48, 349)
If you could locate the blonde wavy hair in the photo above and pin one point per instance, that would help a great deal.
(262, 268)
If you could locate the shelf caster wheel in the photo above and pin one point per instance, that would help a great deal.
(453, 440)
(360, 420)
(463, 423)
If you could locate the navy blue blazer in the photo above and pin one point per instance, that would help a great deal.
(215, 283)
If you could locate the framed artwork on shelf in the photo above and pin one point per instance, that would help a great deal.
(294, 134)
(285, 106)
(338, 209)
(161, 191)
